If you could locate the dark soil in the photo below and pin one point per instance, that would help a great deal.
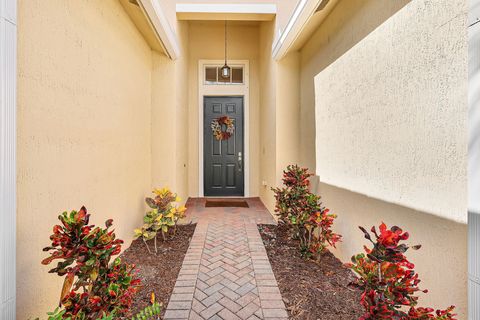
(158, 272)
(312, 290)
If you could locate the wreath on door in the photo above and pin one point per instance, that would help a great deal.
(217, 125)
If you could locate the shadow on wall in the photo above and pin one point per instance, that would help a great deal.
(348, 24)
(439, 253)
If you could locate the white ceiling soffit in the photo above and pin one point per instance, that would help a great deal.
(304, 10)
(224, 11)
(159, 22)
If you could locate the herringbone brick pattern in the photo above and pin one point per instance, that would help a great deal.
(226, 273)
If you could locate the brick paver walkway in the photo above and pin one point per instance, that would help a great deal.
(226, 273)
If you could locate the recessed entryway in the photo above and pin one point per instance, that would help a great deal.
(224, 167)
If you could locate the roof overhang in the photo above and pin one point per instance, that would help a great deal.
(151, 21)
(160, 24)
(223, 11)
(306, 18)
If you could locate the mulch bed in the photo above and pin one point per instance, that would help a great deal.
(158, 272)
(311, 290)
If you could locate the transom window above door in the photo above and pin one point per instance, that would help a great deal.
(213, 76)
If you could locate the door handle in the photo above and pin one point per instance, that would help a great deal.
(240, 162)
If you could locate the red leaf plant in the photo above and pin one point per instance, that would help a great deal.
(302, 211)
(389, 279)
(94, 285)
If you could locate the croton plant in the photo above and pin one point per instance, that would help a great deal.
(163, 216)
(303, 212)
(389, 279)
(95, 284)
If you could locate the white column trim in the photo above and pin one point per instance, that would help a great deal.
(8, 78)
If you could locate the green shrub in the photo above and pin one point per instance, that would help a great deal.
(163, 217)
(303, 212)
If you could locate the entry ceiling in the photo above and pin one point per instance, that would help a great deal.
(211, 11)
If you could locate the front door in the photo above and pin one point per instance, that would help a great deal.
(223, 158)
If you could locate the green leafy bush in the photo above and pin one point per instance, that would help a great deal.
(163, 217)
(94, 285)
(303, 212)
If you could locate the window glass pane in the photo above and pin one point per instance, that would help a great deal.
(222, 79)
(237, 75)
(211, 74)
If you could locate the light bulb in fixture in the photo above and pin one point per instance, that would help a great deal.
(225, 72)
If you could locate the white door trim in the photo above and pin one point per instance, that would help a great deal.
(225, 90)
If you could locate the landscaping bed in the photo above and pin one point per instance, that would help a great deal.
(322, 290)
(158, 272)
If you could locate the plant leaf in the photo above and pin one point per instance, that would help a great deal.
(67, 285)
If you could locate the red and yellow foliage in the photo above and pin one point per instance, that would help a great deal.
(303, 212)
(94, 286)
(389, 279)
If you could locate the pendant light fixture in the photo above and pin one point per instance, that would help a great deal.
(225, 71)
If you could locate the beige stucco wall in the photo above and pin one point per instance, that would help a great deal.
(406, 94)
(169, 111)
(391, 123)
(268, 132)
(206, 42)
(163, 123)
(287, 112)
(279, 114)
(84, 93)
(348, 24)
(181, 106)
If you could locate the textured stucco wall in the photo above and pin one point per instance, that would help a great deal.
(164, 122)
(169, 111)
(206, 42)
(391, 112)
(474, 109)
(394, 77)
(279, 114)
(474, 159)
(287, 113)
(181, 107)
(345, 26)
(84, 94)
(267, 139)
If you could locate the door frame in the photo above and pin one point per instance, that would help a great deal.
(224, 90)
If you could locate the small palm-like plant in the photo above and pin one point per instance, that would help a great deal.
(163, 217)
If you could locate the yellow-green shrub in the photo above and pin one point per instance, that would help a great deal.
(163, 217)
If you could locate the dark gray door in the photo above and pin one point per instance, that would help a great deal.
(223, 159)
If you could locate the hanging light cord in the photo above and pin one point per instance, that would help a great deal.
(225, 42)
